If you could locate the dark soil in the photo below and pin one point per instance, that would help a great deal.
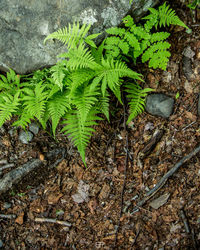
(117, 176)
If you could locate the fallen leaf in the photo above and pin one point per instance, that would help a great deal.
(159, 201)
(20, 219)
(82, 193)
(54, 197)
(105, 191)
(190, 116)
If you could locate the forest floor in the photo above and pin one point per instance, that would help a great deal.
(94, 207)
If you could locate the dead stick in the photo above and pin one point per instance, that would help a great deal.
(187, 228)
(64, 223)
(7, 216)
(165, 178)
(124, 183)
(11, 165)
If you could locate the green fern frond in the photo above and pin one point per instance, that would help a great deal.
(143, 46)
(160, 59)
(57, 107)
(158, 55)
(168, 16)
(159, 36)
(52, 89)
(111, 73)
(103, 105)
(79, 132)
(35, 100)
(24, 120)
(137, 99)
(58, 73)
(164, 16)
(140, 32)
(97, 53)
(79, 57)
(128, 21)
(79, 77)
(84, 99)
(132, 40)
(73, 35)
(116, 31)
(8, 106)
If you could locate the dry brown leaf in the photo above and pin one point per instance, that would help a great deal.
(20, 219)
(53, 198)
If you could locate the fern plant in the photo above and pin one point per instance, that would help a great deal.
(134, 41)
(75, 92)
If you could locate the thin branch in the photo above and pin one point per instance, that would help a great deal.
(7, 216)
(187, 228)
(124, 183)
(164, 179)
(48, 220)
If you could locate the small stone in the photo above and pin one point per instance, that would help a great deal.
(34, 128)
(1, 243)
(160, 105)
(25, 137)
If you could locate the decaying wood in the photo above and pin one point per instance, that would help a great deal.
(14, 176)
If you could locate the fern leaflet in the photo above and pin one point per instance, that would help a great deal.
(8, 106)
(137, 99)
(79, 132)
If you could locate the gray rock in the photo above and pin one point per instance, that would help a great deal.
(1, 243)
(25, 24)
(160, 105)
(34, 128)
(25, 137)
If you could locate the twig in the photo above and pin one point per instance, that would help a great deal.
(11, 165)
(185, 221)
(187, 228)
(137, 234)
(124, 183)
(164, 179)
(189, 125)
(7, 216)
(48, 220)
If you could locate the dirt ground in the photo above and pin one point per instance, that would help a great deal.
(72, 207)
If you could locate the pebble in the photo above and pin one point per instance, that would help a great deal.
(160, 105)
(34, 128)
(25, 137)
(1, 243)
